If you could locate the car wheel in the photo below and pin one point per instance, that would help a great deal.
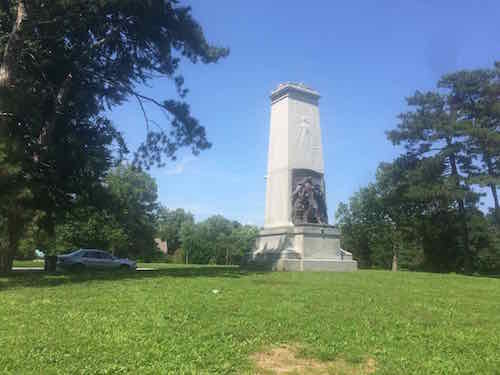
(124, 267)
(78, 267)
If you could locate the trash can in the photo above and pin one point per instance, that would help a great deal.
(50, 263)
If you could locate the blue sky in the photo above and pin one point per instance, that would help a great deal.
(364, 57)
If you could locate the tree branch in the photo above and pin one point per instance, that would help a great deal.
(139, 100)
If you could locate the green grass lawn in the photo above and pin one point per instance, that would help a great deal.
(171, 321)
(29, 263)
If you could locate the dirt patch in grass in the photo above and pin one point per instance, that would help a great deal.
(284, 360)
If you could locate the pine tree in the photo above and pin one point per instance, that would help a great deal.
(433, 129)
(476, 96)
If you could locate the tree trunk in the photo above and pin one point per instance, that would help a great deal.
(15, 227)
(9, 56)
(6, 261)
(57, 108)
(394, 262)
(395, 251)
(493, 188)
(495, 200)
(8, 65)
(463, 217)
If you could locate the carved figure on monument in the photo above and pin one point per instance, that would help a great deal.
(298, 204)
(304, 141)
(321, 202)
(308, 203)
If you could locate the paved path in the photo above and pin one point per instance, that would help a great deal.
(27, 268)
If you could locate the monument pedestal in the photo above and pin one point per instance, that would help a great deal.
(308, 247)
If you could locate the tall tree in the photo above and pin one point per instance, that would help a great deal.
(476, 96)
(396, 209)
(433, 129)
(62, 63)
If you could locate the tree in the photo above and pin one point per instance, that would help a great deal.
(360, 223)
(396, 209)
(191, 241)
(216, 240)
(62, 63)
(413, 198)
(405, 218)
(169, 226)
(241, 240)
(90, 227)
(434, 130)
(134, 195)
(476, 96)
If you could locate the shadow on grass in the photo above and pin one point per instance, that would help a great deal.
(40, 279)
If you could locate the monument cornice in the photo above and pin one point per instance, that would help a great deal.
(295, 90)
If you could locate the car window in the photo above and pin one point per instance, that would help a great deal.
(74, 253)
(91, 254)
(104, 255)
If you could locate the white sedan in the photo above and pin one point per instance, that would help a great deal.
(82, 259)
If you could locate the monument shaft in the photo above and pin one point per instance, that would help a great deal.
(294, 144)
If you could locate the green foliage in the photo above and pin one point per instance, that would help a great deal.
(169, 226)
(476, 95)
(405, 213)
(170, 322)
(216, 240)
(90, 228)
(121, 219)
(377, 223)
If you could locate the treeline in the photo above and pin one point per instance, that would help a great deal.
(124, 217)
(424, 209)
(215, 240)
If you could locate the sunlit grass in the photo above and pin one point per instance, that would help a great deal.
(173, 321)
(29, 263)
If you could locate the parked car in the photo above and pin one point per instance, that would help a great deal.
(91, 258)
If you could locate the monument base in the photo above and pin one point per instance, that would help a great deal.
(308, 247)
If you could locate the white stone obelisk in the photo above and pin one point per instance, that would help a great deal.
(296, 234)
(294, 143)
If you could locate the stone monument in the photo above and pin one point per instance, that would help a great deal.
(296, 234)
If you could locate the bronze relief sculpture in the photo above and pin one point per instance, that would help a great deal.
(308, 198)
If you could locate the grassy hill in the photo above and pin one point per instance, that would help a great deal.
(221, 319)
